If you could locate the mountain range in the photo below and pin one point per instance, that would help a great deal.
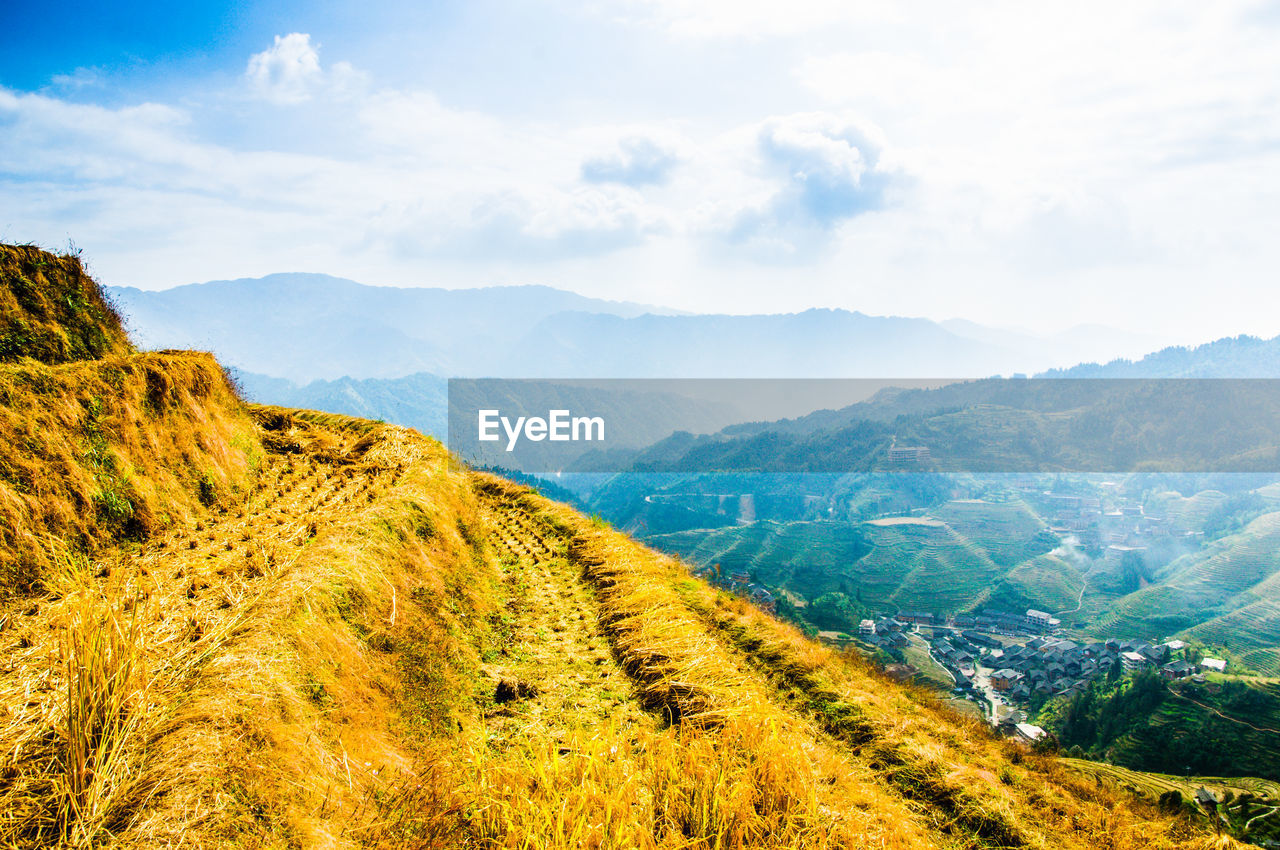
(305, 327)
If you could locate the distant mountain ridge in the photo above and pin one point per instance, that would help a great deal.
(1229, 357)
(818, 343)
(415, 401)
(305, 327)
(313, 326)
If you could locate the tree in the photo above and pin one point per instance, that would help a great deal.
(1133, 569)
(1046, 744)
(1170, 802)
(835, 611)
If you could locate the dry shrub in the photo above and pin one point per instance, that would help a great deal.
(76, 754)
(113, 449)
(51, 311)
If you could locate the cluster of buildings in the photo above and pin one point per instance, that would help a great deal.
(1117, 528)
(740, 582)
(884, 632)
(1044, 667)
(1007, 622)
(908, 454)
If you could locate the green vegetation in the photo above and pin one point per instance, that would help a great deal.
(922, 563)
(1208, 592)
(1222, 728)
(1250, 807)
(835, 611)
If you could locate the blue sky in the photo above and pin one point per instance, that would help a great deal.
(1033, 165)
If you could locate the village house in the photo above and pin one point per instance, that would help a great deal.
(885, 625)
(1004, 679)
(763, 599)
(1038, 619)
(908, 454)
(1177, 670)
(1028, 732)
(1133, 660)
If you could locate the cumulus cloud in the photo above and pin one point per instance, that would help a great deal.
(289, 72)
(639, 161)
(830, 169)
(833, 168)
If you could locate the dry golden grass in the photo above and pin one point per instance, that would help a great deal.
(259, 692)
(108, 450)
(694, 646)
(53, 312)
(227, 626)
(330, 682)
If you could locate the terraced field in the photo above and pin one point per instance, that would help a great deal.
(1152, 785)
(238, 626)
(1253, 813)
(807, 557)
(191, 595)
(1190, 511)
(1228, 726)
(1265, 661)
(929, 567)
(1225, 581)
(555, 673)
(1050, 582)
(1006, 531)
(947, 563)
(1252, 630)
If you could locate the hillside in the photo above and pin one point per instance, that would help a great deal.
(1230, 357)
(1251, 805)
(1227, 594)
(335, 636)
(962, 555)
(1223, 727)
(51, 311)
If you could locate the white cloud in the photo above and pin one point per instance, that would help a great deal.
(639, 161)
(78, 79)
(821, 171)
(289, 72)
(1033, 165)
(286, 72)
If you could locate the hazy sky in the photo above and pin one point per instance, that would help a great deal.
(1013, 163)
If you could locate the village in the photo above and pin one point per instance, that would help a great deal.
(1011, 664)
(1006, 663)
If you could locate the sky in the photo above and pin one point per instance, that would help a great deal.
(1029, 165)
